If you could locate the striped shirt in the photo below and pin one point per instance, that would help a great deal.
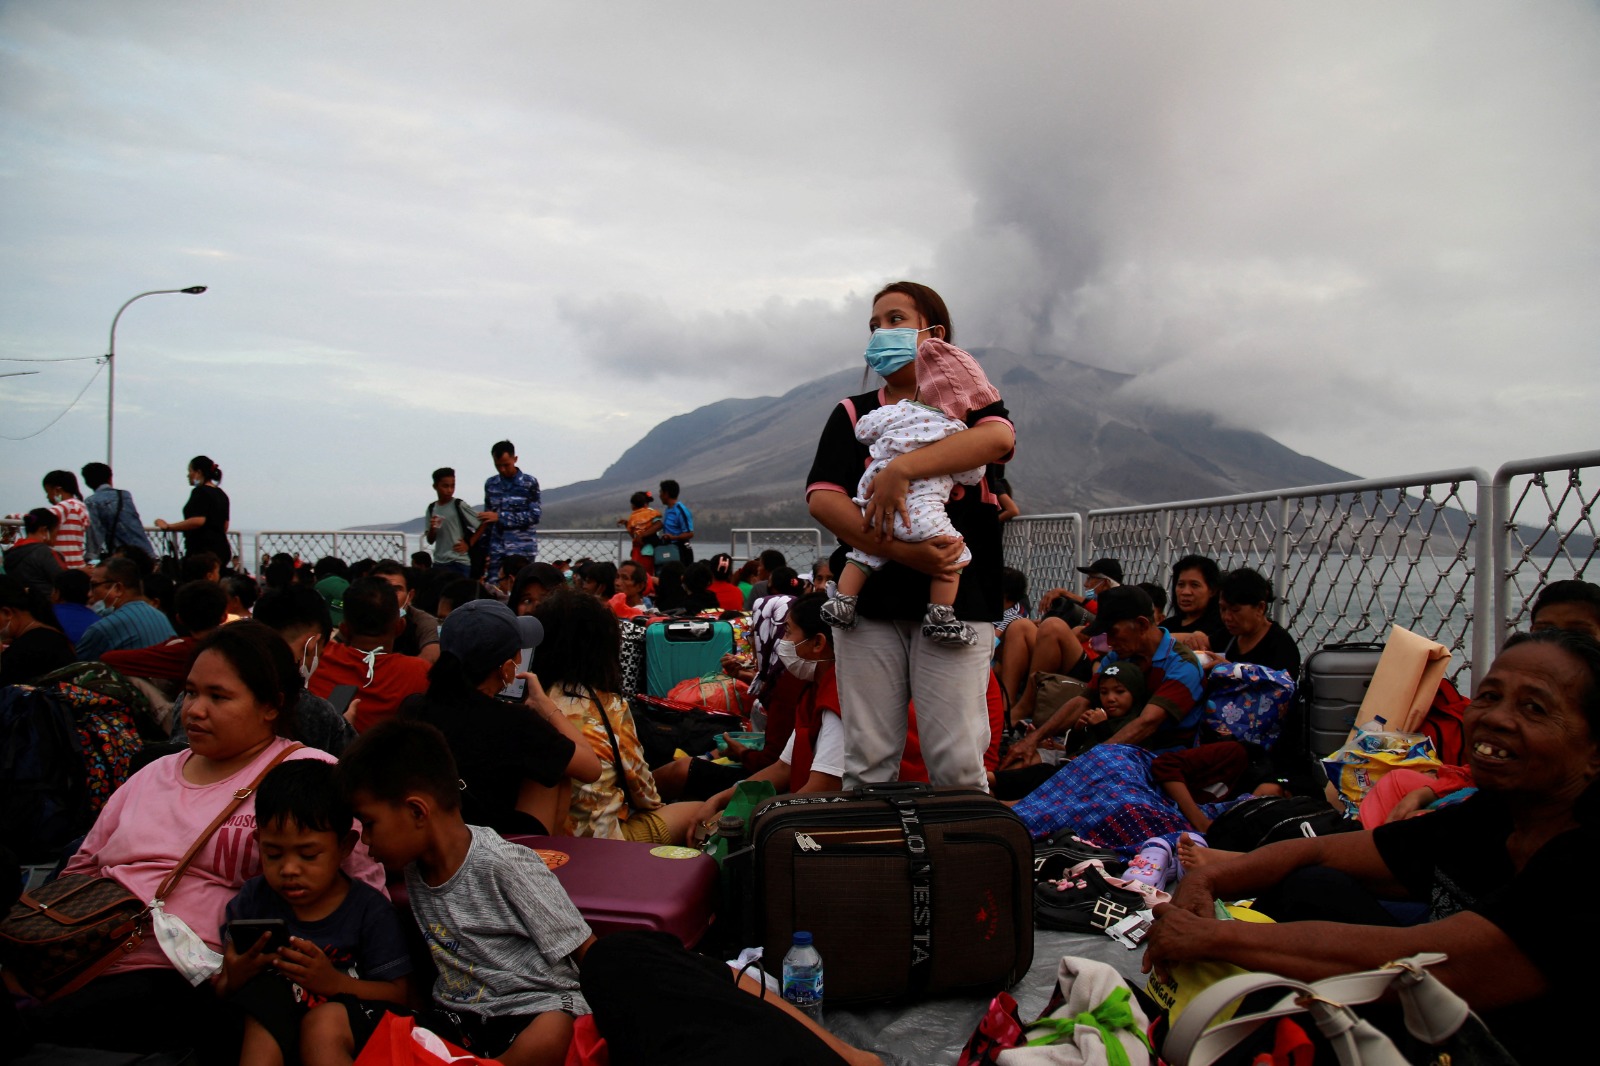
(70, 533)
(133, 625)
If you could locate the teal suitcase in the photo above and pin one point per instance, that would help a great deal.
(684, 648)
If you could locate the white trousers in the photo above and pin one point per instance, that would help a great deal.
(882, 667)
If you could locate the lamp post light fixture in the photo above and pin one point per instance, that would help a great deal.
(111, 357)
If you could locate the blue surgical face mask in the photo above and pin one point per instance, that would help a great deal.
(891, 349)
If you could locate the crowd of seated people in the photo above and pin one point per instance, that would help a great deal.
(369, 663)
(450, 713)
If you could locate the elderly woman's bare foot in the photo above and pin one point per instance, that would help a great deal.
(1194, 856)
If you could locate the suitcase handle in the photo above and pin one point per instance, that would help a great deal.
(895, 789)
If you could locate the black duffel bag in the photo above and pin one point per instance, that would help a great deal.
(666, 726)
(1268, 819)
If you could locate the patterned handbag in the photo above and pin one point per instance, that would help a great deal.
(63, 935)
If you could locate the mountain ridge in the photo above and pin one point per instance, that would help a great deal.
(1081, 444)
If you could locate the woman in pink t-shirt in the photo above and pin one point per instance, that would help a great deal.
(238, 711)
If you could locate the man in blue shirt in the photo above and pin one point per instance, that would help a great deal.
(70, 598)
(133, 621)
(677, 524)
(511, 510)
(113, 518)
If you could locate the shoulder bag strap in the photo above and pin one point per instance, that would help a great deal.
(116, 522)
(616, 751)
(216, 823)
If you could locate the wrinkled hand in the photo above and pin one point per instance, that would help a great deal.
(305, 964)
(1195, 896)
(1024, 752)
(1177, 936)
(886, 500)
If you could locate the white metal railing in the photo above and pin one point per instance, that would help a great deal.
(1544, 530)
(11, 527)
(597, 545)
(167, 542)
(1046, 547)
(309, 545)
(801, 545)
(1347, 559)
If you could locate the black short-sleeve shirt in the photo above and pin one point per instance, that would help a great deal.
(1456, 860)
(1209, 623)
(497, 745)
(1276, 651)
(897, 592)
(210, 503)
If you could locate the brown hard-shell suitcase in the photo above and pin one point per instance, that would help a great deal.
(907, 890)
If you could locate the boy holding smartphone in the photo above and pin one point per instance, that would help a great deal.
(302, 932)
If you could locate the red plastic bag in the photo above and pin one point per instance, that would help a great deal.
(999, 1030)
(588, 1047)
(714, 692)
(400, 1041)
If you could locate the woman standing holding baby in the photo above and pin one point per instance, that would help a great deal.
(886, 659)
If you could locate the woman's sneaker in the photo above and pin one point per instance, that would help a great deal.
(840, 612)
(941, 626)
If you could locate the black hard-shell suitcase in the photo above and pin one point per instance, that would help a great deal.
(1333, 682)
(907, 890)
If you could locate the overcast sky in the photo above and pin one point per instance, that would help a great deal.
(1370, 230)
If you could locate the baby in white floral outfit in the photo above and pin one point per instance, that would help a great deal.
(950, 386)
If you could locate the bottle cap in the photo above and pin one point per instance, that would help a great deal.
(802, 939)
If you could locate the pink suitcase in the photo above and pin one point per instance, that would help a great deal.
(626, 884)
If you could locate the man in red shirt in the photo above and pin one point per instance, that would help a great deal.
(363, 657)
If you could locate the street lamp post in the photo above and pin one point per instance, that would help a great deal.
(111, 357)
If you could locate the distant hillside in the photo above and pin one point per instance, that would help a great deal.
(1079, 446)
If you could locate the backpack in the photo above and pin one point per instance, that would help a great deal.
(1266, 820)
(666, 726)
(44, 798)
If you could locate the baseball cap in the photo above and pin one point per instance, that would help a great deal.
(332, 590)
(1121, 604)
(1103, 568)
(485, 633)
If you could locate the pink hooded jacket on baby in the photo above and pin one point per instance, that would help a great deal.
(950, 381)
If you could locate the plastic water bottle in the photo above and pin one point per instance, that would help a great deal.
(802, 977)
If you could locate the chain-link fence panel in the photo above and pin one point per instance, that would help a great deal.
(801, 546)
(1544, 531)
(1234, 534)
(596, 545)
(1411, 552)
(1048, 548)
(1347, 560)
(1135, 538)
(309, 545)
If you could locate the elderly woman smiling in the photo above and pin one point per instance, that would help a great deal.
(1500, 871)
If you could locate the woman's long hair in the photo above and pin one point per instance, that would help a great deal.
(582, 646)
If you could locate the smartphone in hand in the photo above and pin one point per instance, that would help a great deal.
(244, 932)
